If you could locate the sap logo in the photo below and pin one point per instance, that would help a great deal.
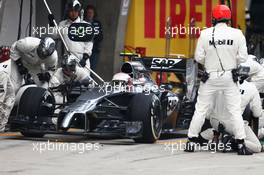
(222, 42)
(163, 63)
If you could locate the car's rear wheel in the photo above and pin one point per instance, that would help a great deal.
(147, 108)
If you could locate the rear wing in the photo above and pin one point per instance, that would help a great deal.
(184, 66)
(176, 65)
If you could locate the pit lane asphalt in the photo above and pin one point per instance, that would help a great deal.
(19, 155)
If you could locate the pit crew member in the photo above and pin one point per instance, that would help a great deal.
(220, 49)
(69, 74)
(82, 50)
(33, 57)
(219, 115)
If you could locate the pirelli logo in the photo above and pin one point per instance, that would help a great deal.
(222, 42)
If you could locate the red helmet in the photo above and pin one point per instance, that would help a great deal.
(221, 12)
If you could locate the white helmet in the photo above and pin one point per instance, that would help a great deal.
(46, 47)
(121, 77)
(68, 64)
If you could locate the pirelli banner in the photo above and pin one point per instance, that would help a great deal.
(147, 23)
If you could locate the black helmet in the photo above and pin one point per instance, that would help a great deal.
(46, 47)
(69, 63)
(74, 5)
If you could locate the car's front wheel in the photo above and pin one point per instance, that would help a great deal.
(147, 108)
(36, 101)
(38, 105)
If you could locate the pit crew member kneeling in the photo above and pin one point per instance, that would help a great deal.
(68, 76)
(222, 126)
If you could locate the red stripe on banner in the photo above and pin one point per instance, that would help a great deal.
(162, 18)
(193, 14)
(177, 18)
(150, 7)
(234, 12)
(209, 13)
(196, 15)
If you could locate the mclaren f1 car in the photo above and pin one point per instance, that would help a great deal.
(132, 105)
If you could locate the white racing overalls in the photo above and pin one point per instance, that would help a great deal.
(230, 51)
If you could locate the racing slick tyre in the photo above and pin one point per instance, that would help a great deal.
(147, 108)
(32, 134)
(36, 101)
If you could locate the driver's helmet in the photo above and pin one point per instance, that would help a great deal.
(121, 79)
(69, 64)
